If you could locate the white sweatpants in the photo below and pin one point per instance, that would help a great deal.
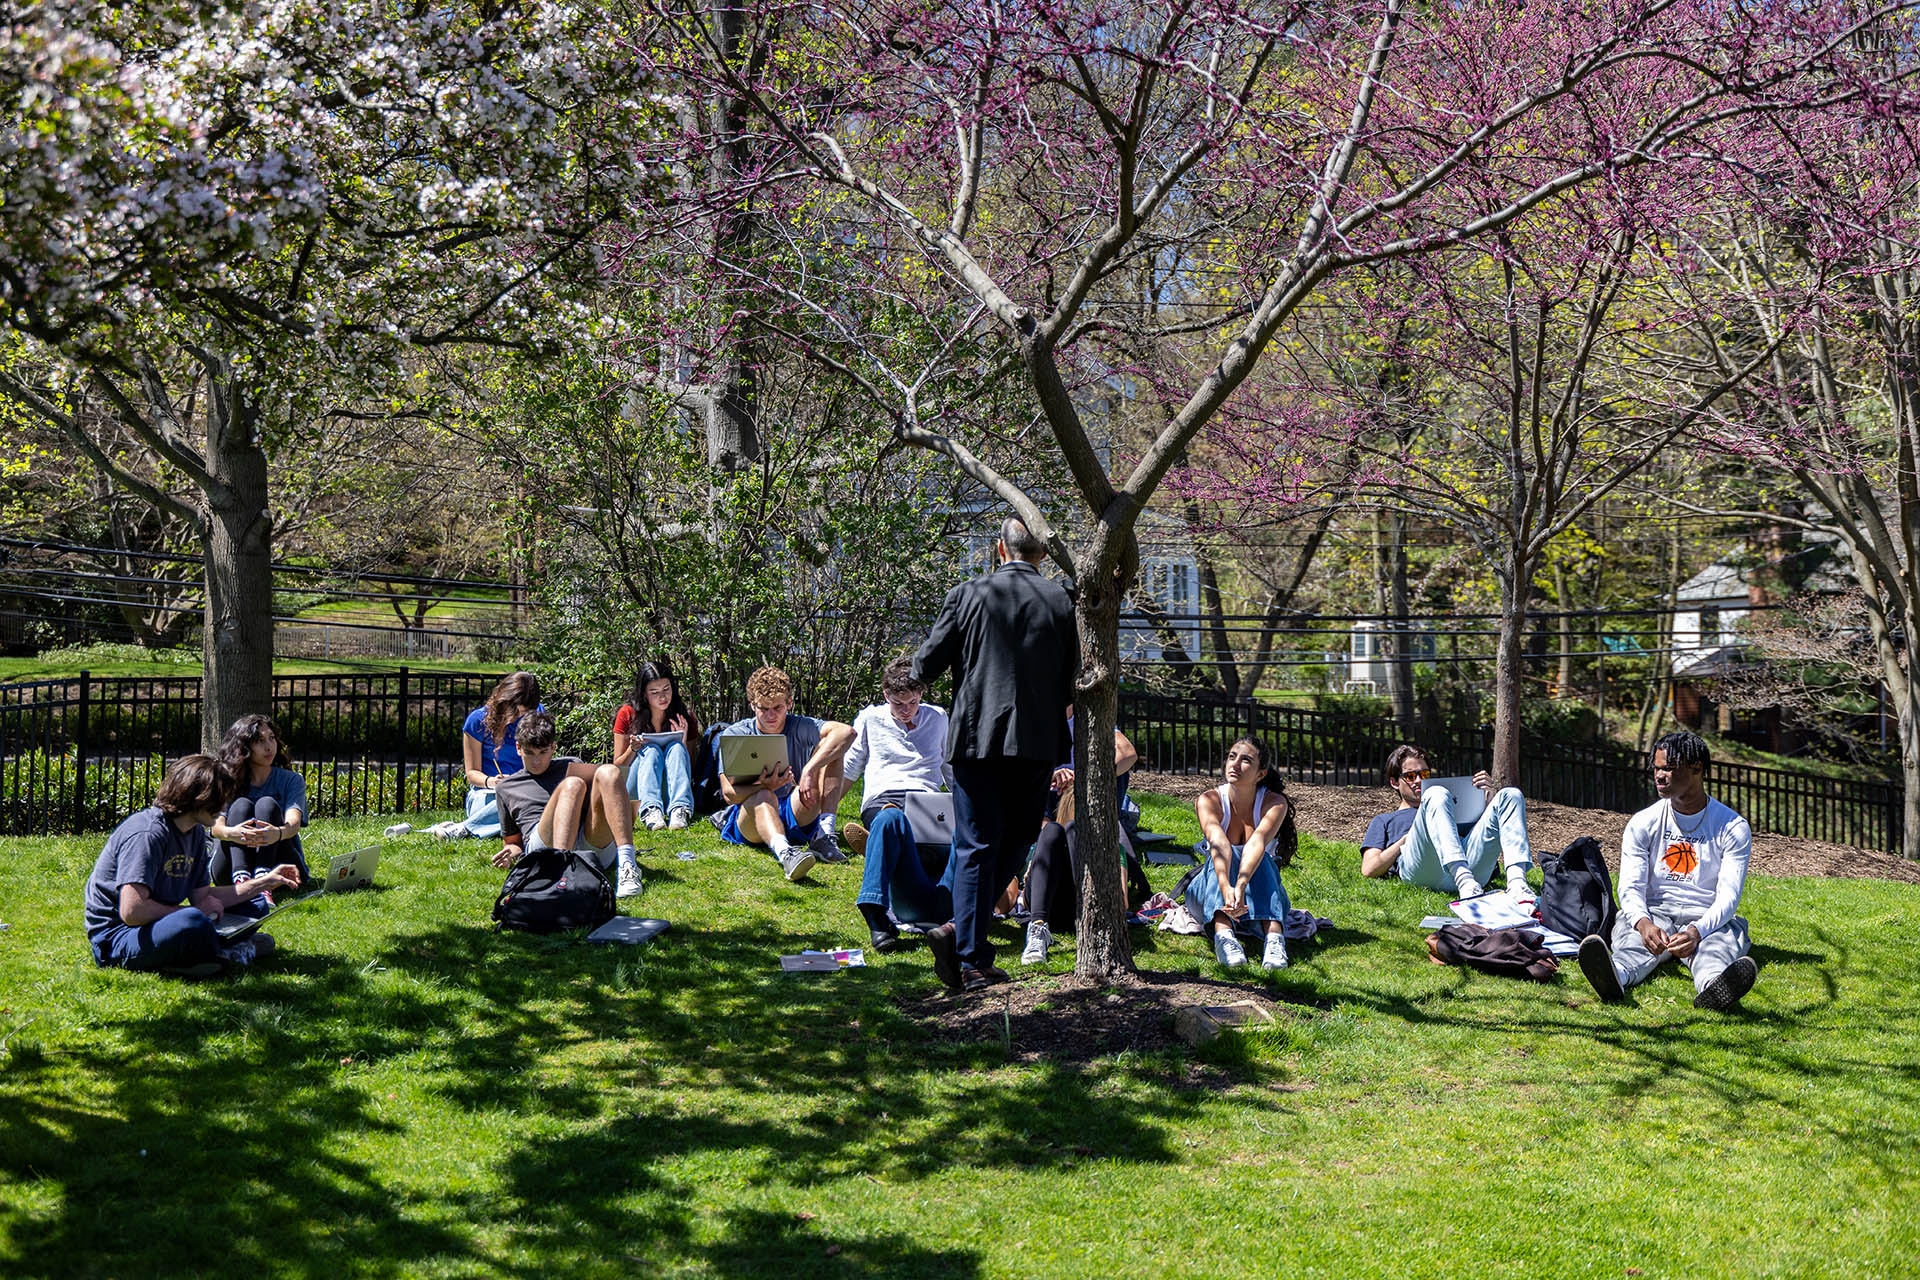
(1634, 964)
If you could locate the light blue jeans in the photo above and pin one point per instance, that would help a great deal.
(658, 772)
(483, 813)
(1266, 896)
(1435, 853)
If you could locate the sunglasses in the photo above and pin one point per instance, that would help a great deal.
(1421, 774)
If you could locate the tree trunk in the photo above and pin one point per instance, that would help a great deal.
(237, 647)
(1514, 591)
(1564, 681)
(1104, 951)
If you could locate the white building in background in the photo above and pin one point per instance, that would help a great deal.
(1711, 605)
(1366, 661)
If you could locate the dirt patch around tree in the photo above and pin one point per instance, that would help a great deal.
(1061, 1019)
(1342, 813)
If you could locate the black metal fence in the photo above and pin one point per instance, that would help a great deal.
(1178, 736)
(79, 755)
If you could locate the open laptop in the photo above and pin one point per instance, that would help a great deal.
(930, 814)
(345, 871)
(1469, 801)
(744, 755)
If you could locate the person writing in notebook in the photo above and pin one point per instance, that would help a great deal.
(1421, 842)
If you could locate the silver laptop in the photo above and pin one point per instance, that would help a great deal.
(351, 870)
(1469, 801)
(930, 814)
(744, 755)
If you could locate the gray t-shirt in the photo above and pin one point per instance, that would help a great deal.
(524, 796)
(286, 786)
(145, 849)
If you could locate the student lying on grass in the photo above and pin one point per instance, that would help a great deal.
(557, 802)
(150, 902)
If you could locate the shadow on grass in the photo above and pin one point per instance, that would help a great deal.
(617, 1074)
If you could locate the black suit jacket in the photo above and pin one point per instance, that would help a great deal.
(1010, 641)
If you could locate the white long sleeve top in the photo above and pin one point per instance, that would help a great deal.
(1691, 870)
(893, 757)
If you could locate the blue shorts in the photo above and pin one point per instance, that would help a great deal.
(796, 834)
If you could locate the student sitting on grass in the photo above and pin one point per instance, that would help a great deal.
(558, 802)
(1248, 825)
(261, 826)
(900, 747)
(787, 811)
(659, 778)
(1053, 880)
(150, 903)
(1422, 844)
(1683, 867)
(489, 752)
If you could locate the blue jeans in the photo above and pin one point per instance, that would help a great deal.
(1266, 896)
(659, 771)
(483, 813)
(1436, 853)
(894, 878)
(179, 938)
(997, 808)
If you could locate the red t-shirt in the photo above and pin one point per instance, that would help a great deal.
(623, 719)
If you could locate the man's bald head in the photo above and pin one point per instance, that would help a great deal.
(1019, 543)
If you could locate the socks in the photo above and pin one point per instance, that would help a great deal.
(627, 853)
(1463, 881)
(780, 846)
(827, 824)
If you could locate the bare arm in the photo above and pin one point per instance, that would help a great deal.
(137, 906)
(625, 747)
(470, 752)
(1125, 755)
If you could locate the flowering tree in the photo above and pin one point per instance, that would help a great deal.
(1002, 170)
(225, 225)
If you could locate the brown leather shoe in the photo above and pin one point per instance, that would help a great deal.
(856, 837)
(944, 948)
(972, 979)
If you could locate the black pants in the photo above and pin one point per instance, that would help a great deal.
(232, 857)
(1053, 877)
(997, 806)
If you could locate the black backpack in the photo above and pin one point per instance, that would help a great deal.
(554, 889)
(706, 772)
(1577, 898)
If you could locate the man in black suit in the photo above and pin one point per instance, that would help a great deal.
(1010, 641)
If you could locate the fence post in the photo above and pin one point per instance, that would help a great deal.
(80, 754)
(400, 786)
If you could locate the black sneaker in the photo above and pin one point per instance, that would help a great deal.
(888, 940)
(826, 848)
(945, 949)
(1596, 962)
(1725, 991)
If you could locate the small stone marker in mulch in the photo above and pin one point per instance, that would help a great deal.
(1199, 1023)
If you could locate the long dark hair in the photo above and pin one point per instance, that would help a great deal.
(1286, 841)
(648, 672)
(237, 745)
(521, 691)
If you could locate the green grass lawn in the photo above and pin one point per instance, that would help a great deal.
(404, 1092)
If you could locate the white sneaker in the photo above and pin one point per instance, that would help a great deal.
(654, 820)
(1039, 939)
(447, 830)
(1228, 951)
(629, 881)
(1275, 956)
(678, 820)
(1523, 896)
(796, 863)
(1470, 888)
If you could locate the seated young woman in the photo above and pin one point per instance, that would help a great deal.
(260, 828)
(1248, 824)
(1053, 881)
(489, 752)
(659, 775)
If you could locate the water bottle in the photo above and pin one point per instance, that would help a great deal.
(398, 829)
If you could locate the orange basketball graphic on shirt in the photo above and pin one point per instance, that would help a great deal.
(1680, 859)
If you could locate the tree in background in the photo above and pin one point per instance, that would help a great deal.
(224, 228)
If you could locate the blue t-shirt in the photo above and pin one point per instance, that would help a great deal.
(1388, 827)
(504, 758)
(145, 849)
(285, 786)
(801, 732)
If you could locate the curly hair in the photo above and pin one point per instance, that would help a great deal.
(236, 747)
(769, 684)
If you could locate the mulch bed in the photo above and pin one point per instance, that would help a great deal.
(1063, 1020)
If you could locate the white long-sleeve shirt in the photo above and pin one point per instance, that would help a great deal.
(895, 758)
(1690, 869)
